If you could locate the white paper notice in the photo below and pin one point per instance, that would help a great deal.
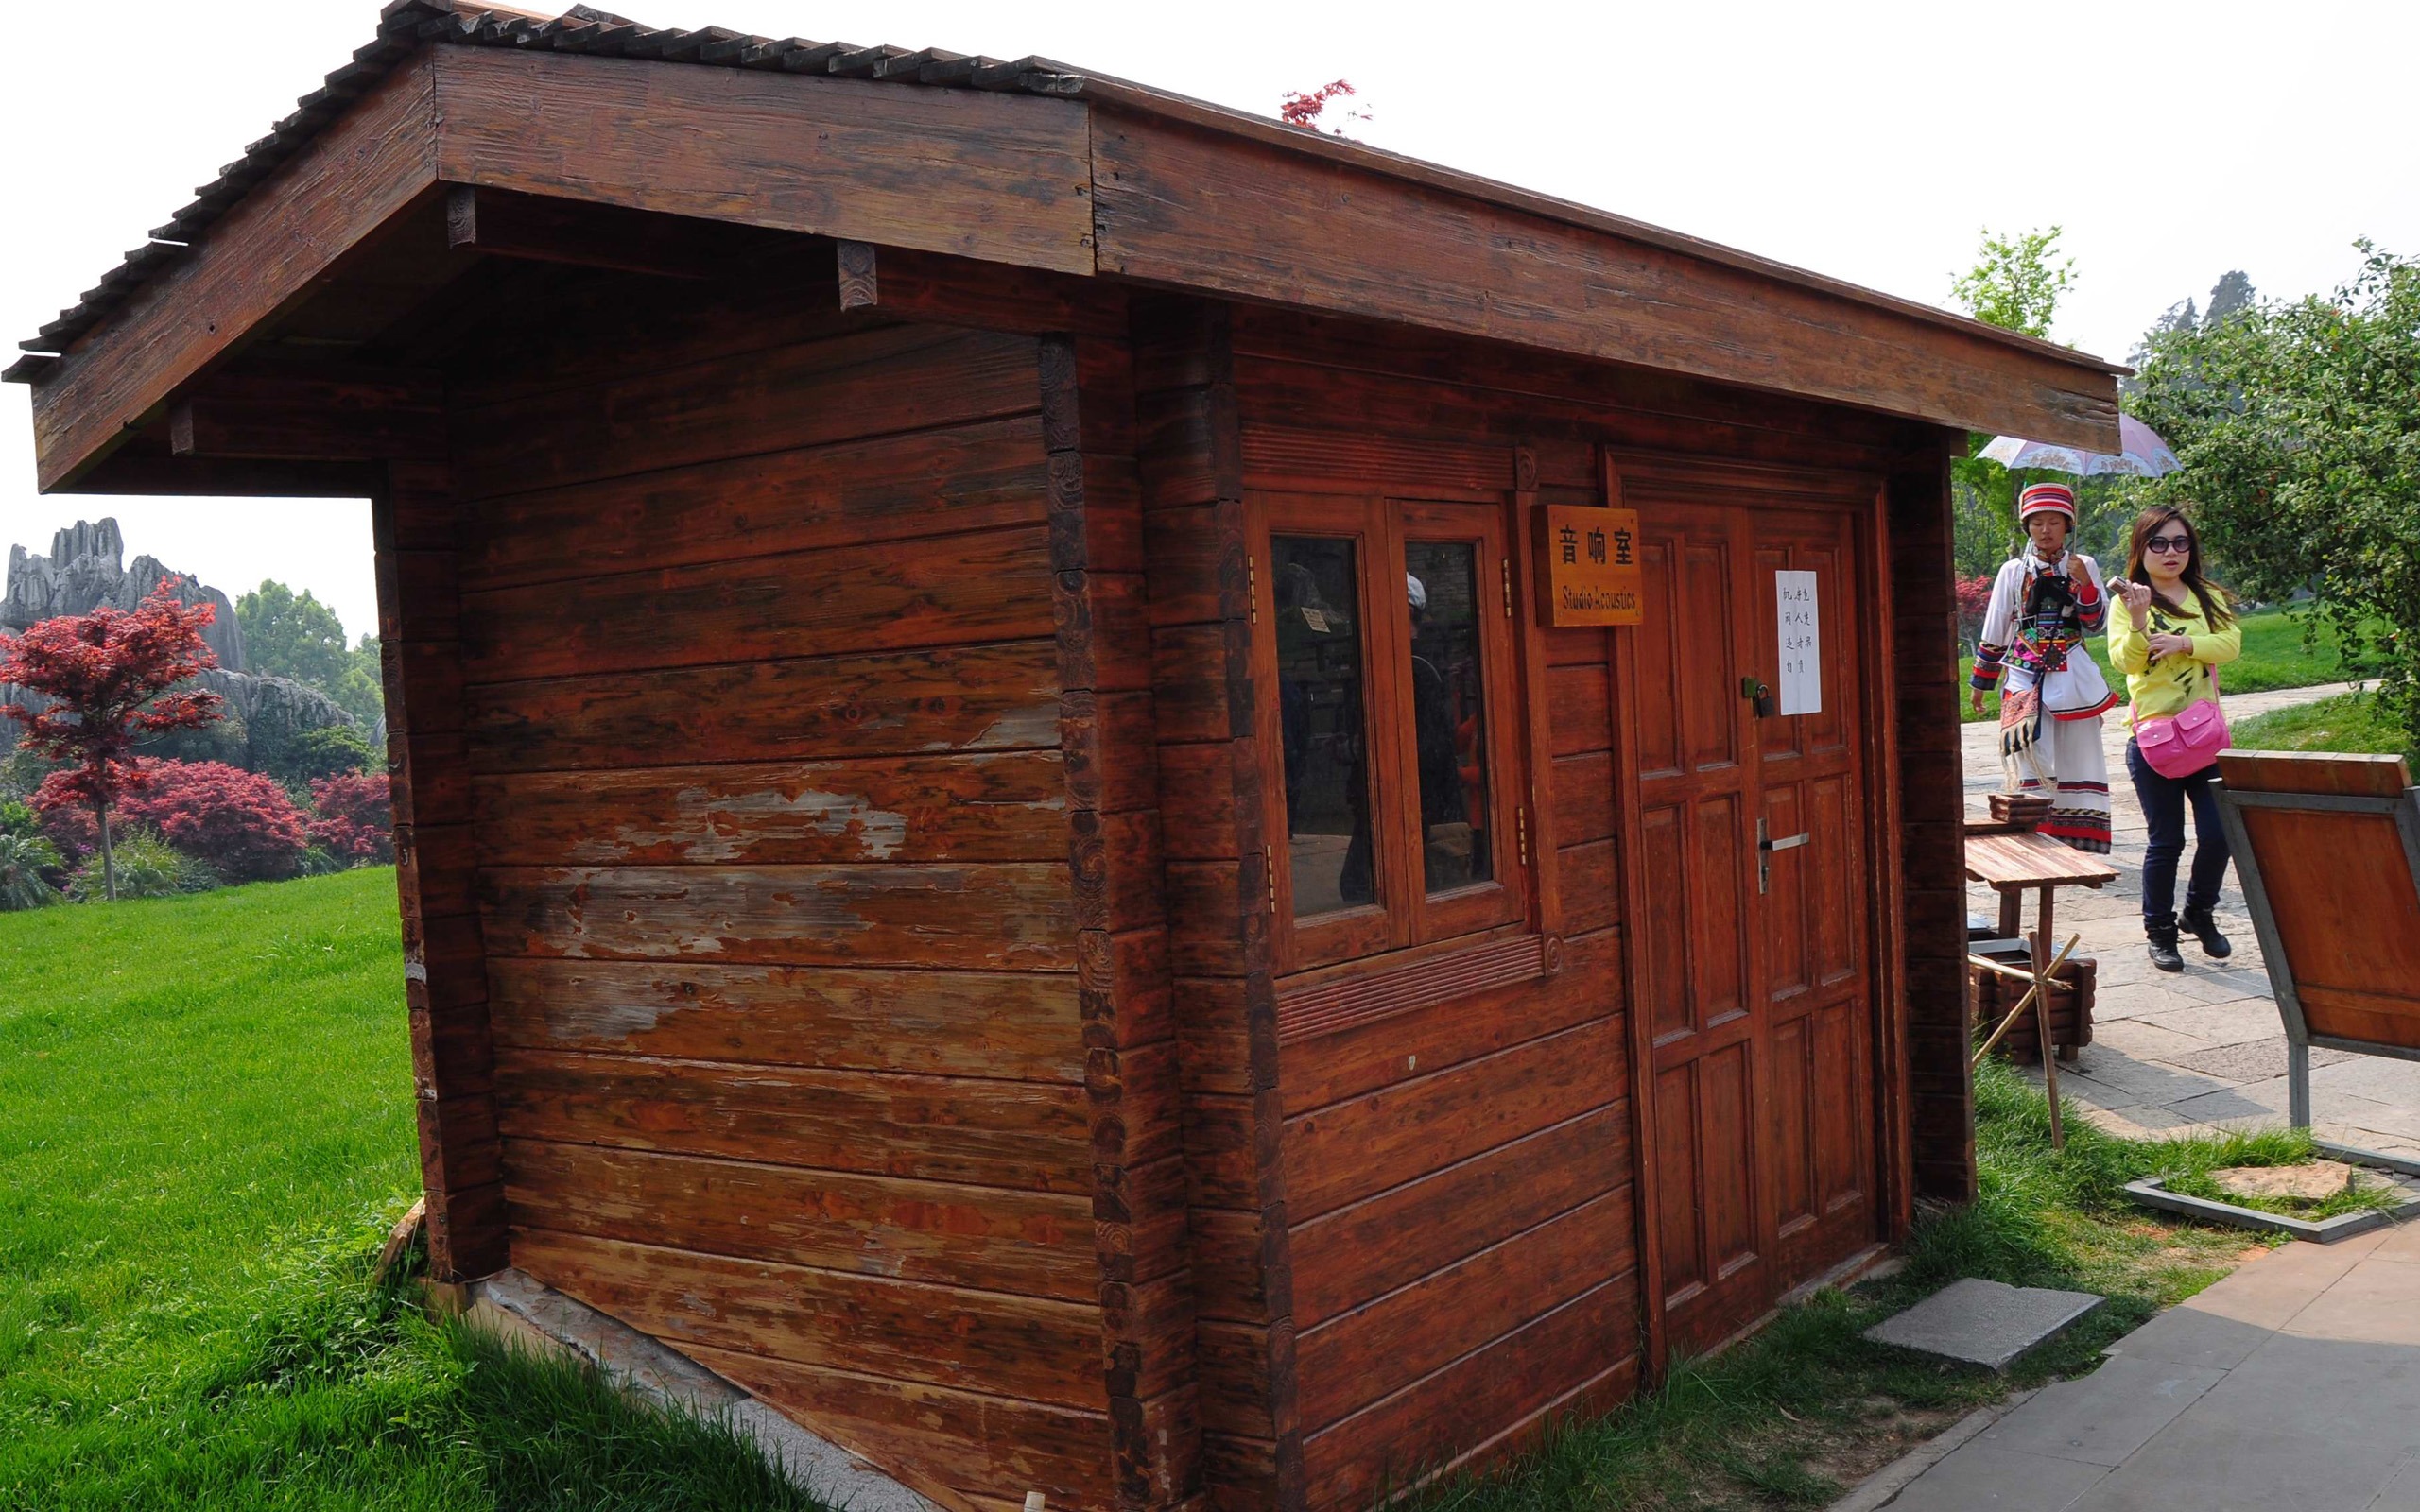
(1802, 668)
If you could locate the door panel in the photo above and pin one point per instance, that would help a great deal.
(1756, 992)
(1808, 774)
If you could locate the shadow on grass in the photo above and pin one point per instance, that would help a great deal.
(338, 1392)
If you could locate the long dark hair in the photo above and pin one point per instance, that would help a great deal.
(2217, 602)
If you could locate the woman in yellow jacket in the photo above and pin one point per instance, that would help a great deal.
(2170, 631)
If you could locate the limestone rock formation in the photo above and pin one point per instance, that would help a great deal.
(264, 715)
(86, 568)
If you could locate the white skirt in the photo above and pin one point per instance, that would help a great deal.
(2063, 759)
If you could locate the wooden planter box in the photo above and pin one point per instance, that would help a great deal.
(2071, 994)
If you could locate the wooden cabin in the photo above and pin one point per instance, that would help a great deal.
(1022, 827)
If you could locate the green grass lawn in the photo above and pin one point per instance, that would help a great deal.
(205, 1129)
(2274, 656)
(2348, 722)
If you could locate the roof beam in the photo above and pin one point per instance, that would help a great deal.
(309, 420)
(1001, 177)
(267, 254)
(1186, 208)
(539, 229)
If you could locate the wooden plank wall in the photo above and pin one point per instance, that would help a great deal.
(787, 964)
(1932, 803)
(1459, 1179)
(1459, 1230)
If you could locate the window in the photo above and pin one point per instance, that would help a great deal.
(1390, 763)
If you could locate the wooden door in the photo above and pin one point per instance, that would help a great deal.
(1752, 974)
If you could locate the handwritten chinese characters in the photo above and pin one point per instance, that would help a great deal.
(1802, 665)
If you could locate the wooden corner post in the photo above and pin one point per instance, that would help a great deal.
(414, 524)
(1930, 791)
(1123, 983)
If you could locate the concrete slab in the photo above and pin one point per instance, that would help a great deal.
(2372, 1303)
(2401, 1243)
(517, 1306)
(2189, 1336)
(2197, 1465)
(1980, 1478)
(1982, 1322)
(2103, 1418)
(2401, 1492)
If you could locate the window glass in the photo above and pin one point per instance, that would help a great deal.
(1321, 723)
(1448, 711)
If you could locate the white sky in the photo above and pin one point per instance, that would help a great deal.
(1866, 141)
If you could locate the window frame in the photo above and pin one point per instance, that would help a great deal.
(1405, 917)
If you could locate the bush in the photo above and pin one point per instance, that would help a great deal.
(356, 818)
(240, 822)
(146, 866)
(27, 862)
(331, 751)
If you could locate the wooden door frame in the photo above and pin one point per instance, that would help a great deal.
(1721, 481)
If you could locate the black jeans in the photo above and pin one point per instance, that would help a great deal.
(2163, 799)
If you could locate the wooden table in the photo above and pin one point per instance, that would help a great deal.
(2012, 862)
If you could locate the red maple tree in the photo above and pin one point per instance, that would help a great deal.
(110, 674)
(1303, 109)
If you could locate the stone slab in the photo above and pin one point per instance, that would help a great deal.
(1982, 1322)
(2253, 1060)
(2103, 1418)
(2221, 1023)
(2138, 1040)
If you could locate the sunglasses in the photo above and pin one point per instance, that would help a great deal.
(2163, 544)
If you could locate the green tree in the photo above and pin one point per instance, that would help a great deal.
(287, 635)
(2299, 427)
(2014, 284)
(360, 690)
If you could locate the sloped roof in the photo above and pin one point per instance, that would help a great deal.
(407, 26)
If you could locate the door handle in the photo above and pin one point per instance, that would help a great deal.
(1759, 695)
(1766, 846)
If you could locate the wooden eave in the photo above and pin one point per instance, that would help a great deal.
(1027, 165)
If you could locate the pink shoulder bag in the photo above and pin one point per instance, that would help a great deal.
(2185, 741)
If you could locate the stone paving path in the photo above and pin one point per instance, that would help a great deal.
(2294, 1384)
(2202, 1048)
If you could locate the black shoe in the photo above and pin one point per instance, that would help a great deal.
(2198, 923)
(2163, 938)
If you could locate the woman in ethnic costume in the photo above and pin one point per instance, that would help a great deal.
(2044, 603)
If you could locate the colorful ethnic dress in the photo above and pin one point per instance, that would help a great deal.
(2050, 709)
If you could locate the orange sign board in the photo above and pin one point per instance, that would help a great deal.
(1588, 571)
